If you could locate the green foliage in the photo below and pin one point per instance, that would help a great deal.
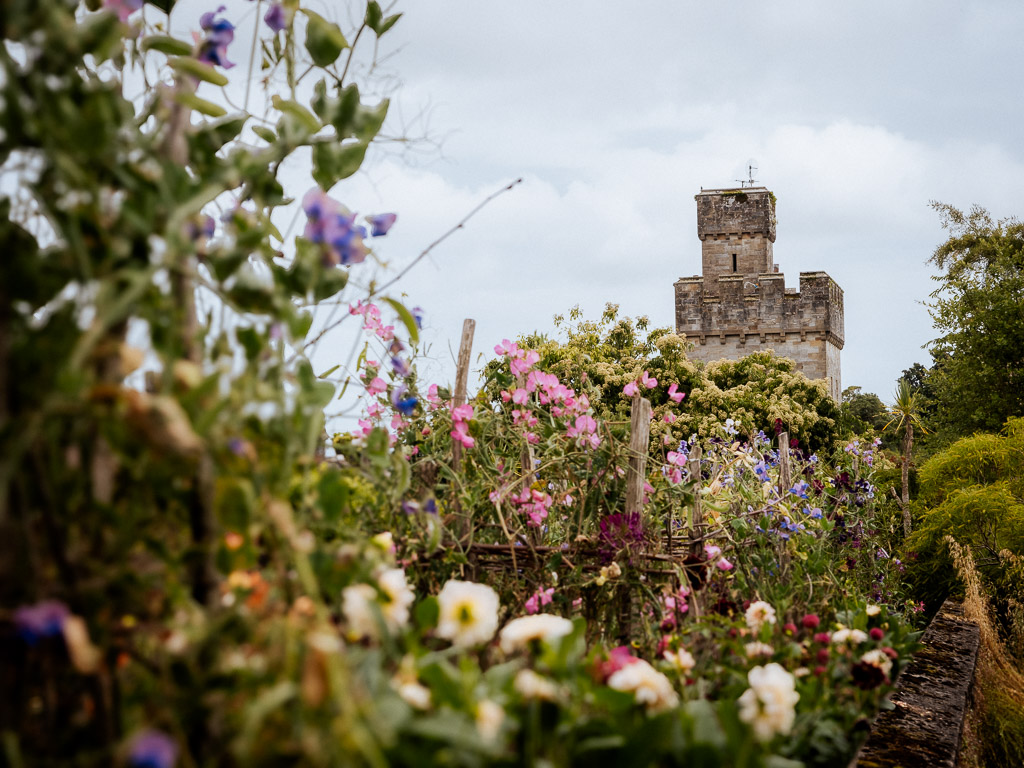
(862, 414)
(974, 491)
(979, 373)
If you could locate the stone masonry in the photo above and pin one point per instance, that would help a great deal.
(740, 304)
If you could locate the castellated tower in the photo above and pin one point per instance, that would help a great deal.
(740, 304)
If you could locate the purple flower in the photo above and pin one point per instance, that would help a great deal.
(381, 223)
(153, 749)
(331, 224)
(431, 506)
(123, 8)
(219, 34)
(405, 406)
(275, 18)
(44, 619)
(402, 367)
(621, 530)
(417, 315)
(410, 507)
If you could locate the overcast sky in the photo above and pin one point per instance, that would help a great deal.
(615, 114)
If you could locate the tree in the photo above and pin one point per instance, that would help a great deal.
(979, 310)
(862, 413)
(904, 412)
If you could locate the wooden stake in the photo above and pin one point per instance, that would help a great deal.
(697, 517)
(785, 472)
(639, 445)
(459, 398)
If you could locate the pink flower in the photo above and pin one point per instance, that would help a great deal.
(674, 457)
(724, 565)
(462, 412)
(675, 395)
(670, 418)
(520, 396)
(461, 434)
(712, 551)
(648, 381)
(676, 477)
(532, 438)
(506, 348)
(631, 389)
(377, 386)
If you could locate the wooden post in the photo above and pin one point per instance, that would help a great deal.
(697, 518)
(785, 471)
(462, 378)
(639, 445)
(459, 398)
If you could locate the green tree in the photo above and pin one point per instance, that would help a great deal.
(979, 310)
(862, 413)
(905, 414)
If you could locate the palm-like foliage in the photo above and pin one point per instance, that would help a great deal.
(905, 413)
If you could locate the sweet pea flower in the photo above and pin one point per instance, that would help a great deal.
(404, 405)
(380, 223)
(45, 619)
(377, 386)
(648, 381)
(332, 225)
(631, 389)
(276, 18)
(724, 565)
(674, 395)
(670, 418)
(219, 34)
(152, 749)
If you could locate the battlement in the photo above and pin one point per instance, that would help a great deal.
(740, 303)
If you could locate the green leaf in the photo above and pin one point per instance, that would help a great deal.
(164, 5)
(368, 121)
(407, 319)
(334, 162)
(427, 612)
(324, 39)
(166, 44)
(202, 106)
(265, 133)
(296, 110)
(186, 65)
(389, 22)
(374, 17)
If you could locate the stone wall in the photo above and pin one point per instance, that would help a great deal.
(736, 229)
(740, 315)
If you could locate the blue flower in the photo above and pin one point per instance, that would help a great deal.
(45, 619)
(417, 315)
(800, 489)
(761, 470)
(403, 405)
(153, 749)
(430, 506)
(381, 223)
(219, 34)
(401, 367)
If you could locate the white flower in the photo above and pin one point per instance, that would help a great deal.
(851, 636)
(878, 658)
(489, 717)
(682, 660)
(361, 602)
(357, 605)
(758, 614)
(648, 686)
(519, 633)
(396, 597)
(414, 694)
(530, 685)
(758, 649)
(768, 706)
(873, 610)
(468, 613)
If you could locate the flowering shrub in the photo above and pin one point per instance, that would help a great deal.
(192, 575)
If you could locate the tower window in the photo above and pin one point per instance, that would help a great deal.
(734, 262)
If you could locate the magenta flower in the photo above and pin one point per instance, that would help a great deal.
(275, 18)
(153, 749)
(123, 8)
(219, 34)
(648, 381)
(631, 389)
(724, 565)
(381, 223)
(675, 395)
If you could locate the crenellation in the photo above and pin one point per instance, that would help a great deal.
(740, 304)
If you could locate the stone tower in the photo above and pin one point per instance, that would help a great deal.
(740, 303)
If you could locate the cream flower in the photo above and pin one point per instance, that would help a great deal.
(489, 717)
(530, 685)
(872, 610)
(414, 694)
(357, 605)
(648, 686)
(396, 597)
(758, 649)
(519, 633)
(361, 602)
(878, 658)
(682, 660)
(768, 706)
(758, 614)
(850, 636)
(468, 613)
